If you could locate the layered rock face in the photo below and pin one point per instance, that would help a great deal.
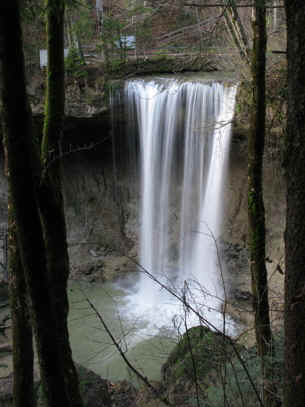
(103, 219)
(102, 196)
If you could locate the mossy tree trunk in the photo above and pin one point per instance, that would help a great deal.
(23, 354)
(22, 337)
(22, 182)
(50, 191)
(24, 177)
(256, 211)
(294, 388)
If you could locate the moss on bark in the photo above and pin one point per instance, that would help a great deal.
(23, 183)
(50, 193)
(23, 354)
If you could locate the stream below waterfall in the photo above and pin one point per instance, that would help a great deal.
(145, 344)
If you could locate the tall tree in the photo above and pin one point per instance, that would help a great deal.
(99, 7)
(237, 30)
(23, 356)
(50, 190)
(35, 246)
(256, 210)
(17, 126)
(294, 389)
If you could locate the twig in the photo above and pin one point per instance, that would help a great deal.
(226, 5)
(63, 154)
(131, 367)
(191, 352)
(205, 322)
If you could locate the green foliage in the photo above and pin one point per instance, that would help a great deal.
(144, 33)
(32, 10)
(115, 65)
(33, 27)
(112, 28)
(207, 348)
(238, 390)
(111, 44)
(83, 23)
(252, 200)
(74, 65)
(219, 373)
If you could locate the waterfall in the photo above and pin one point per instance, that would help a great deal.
(184, 136)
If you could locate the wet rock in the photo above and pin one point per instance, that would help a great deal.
(93, 253)
(200, 347)
(5, 347)
(3, 291)
(241, 295)
(6, 391)
(123, 394)
(235, 257)
(94, 389)
(89, 271)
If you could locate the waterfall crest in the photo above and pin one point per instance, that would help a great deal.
(184, 136)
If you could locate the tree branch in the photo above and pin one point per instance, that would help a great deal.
(226, 5)
(205, 322)
(121, 352)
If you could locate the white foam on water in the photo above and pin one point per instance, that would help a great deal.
(184, 134)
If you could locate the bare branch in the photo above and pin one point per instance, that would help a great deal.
(191, 350)
(226, 5)
(121, 352)
(205, 322)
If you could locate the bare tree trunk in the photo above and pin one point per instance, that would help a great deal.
(99, 15)
(237, 30)
(294, 385)
(275, 16)
(23, 354)
(46, 275)
(18, 141)
(200, 35)
(50, 195)
(232, 31)
(72, 35)
(256, 210)
(22, 337)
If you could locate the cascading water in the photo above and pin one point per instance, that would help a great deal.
(184, 136)
(182, 131)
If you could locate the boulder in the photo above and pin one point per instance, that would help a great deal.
(94, 389)
(195, 361)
